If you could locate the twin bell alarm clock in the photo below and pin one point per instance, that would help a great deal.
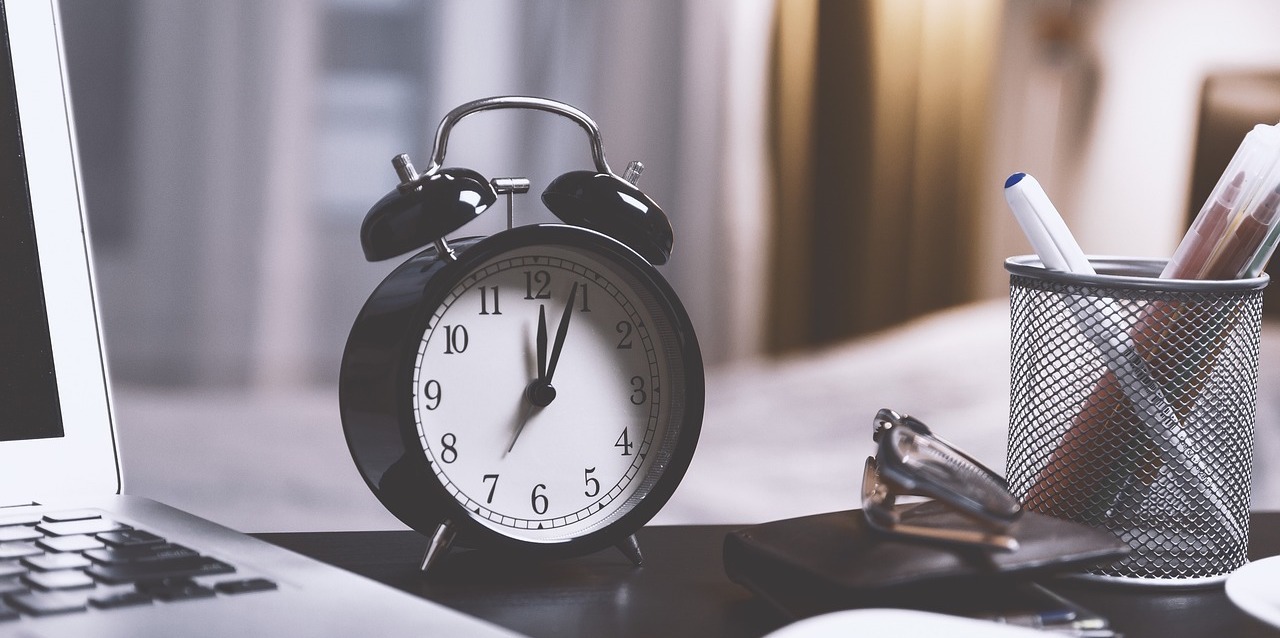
(539, 390)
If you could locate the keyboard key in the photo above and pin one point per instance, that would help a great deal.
(65, 579)
(186, 592)
(244, 586)
(158, 569)
(19, 533)
(7, 612)
(19, 519)
(76, 543)
(18, 550)
(159, 584)
(71, 515)
(130, 538)
(139, 553)
(52, 562)
(120, 599)
(11, 568)
(170, 589)
(43, 603)
(13, 586)
(69, 528)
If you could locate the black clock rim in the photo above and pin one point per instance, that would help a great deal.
(469, 531)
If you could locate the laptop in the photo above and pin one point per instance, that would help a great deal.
(78, 558)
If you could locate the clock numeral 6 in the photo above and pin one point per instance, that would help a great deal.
(432, 393)
(593, 485)
(539, 501)
(456, 339)
(450, 452)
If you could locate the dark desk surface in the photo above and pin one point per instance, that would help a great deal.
(682, 589)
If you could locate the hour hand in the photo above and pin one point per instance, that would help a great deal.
(542, 342)
(539, 392)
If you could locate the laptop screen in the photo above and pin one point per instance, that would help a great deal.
(48, 314)
(28, 388)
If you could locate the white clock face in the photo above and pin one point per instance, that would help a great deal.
(541, 437)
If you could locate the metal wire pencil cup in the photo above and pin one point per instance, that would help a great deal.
(1132, 409)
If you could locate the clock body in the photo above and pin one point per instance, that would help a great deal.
(542, 393)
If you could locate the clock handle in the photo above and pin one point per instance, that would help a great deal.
(439, 545)
(516, 102)
(631, 549)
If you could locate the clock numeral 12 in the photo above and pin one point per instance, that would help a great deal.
(540, 278)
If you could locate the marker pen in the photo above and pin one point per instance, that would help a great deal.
(1197, 246)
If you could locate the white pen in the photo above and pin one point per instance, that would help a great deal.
(1043, 226)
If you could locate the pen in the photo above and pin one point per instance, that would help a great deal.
(1238, 250)
(1268, 247)
(1043, 225)
(1197, 246)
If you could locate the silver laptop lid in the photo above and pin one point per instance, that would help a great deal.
(56, 434)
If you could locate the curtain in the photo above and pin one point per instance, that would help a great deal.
(879, 117)
(231, 150)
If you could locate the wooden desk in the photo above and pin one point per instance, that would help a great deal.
(682, 589)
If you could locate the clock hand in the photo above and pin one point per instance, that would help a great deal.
(560, 333)
(542, 341)
(540, 393)
(524, 418)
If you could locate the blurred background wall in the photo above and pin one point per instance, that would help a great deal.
(831, 168)
(232, 149)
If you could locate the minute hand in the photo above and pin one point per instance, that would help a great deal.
(560, 333)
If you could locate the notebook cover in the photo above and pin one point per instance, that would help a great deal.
(815, 564)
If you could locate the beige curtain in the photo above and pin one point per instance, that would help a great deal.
(879, 117)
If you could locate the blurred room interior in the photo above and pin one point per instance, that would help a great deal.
(833, 170)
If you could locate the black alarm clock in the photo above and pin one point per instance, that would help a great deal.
(539, 390)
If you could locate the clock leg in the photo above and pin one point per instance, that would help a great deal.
(439, 545)
(631, 549)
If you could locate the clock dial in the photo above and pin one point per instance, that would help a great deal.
(545, 397)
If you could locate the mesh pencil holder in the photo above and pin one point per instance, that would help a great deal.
(1132, 404)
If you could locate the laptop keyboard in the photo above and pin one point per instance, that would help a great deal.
(68, 562)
